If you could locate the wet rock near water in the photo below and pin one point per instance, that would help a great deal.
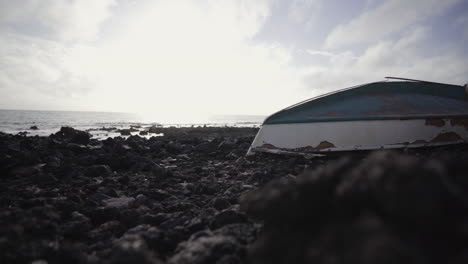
(127, 131)
(191, 196)
(71, 135)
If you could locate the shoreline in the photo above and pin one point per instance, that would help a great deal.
(49, 122)
(128, 129)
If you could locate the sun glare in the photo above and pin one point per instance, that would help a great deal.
(181, 59)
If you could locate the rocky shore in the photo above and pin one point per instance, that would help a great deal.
(191, 196)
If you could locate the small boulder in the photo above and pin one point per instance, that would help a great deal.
(125, 132)
(227, 217)
(221, 203)
(121, 202)
(124, 179)
(204, 247)
(206, 147)
(132, 249)
(78, 226)
(78, 148)
(73, 136)
(98, 171)
(140, 199)
(155, 129)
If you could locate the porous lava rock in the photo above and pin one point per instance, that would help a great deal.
(387, 208)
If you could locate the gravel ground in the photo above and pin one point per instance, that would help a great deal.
(191, 196)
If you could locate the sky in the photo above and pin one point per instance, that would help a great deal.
(174, 58)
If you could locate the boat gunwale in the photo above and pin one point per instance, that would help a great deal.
(267, 120)
(367, 118)
(315, 98)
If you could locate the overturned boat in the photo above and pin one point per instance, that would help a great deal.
(396, 113)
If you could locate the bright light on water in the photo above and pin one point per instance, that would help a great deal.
(14, 121)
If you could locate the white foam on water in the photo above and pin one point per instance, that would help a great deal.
(49, 122)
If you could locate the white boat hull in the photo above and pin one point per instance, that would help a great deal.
(320, 137)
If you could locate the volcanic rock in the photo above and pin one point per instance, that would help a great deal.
(98, 171)
(125, 132)
(132, 249)
(227, 217)
(73, 136)
(120, 202)
(221, 203)
(154, 129)
(389, 208)
(175, 198)
(205, 247)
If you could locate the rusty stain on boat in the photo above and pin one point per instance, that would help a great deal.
(419, 141)
(305, 149)
(435, 122)
(446, 137)
(324, 145)
(460, 122)
(268, 146)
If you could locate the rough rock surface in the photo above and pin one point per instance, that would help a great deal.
(386, 208)
(69, 198)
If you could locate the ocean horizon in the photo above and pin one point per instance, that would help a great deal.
(48, 122)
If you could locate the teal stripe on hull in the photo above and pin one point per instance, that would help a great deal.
(380, 101)
(364, 118)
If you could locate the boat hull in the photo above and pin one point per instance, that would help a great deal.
(322, 137)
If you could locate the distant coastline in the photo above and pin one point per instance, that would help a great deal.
(97, 123)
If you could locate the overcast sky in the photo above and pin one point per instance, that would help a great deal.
(193, 57)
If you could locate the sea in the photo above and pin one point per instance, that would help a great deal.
(97, 123)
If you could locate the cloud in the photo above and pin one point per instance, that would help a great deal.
(320, 53)
(55, 19)
(187, 57)
(392, 16)
(32, 68)
(165, 58)
(304, 11)
(39, 56)
(196, 58)
(334, 57)
(400, 57)
(463, 22)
